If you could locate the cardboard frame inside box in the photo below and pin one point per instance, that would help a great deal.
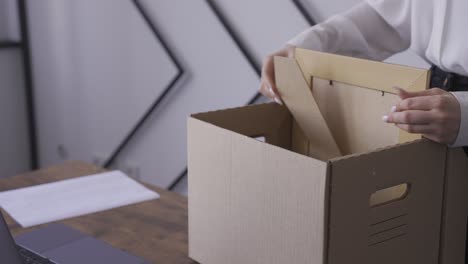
(332, 183)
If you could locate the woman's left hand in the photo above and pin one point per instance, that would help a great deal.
(434, 113)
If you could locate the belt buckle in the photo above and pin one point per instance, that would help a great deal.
(448, 81)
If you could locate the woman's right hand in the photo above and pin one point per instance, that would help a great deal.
(268, 85)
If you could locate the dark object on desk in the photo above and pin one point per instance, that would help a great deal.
(59, 244)
(29, 257)
(11, 253)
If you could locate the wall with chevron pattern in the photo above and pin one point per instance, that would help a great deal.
(116, 79)
(14, 144)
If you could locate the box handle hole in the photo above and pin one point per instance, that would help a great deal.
(389, 195)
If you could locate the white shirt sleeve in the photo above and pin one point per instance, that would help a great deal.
(371, 30)
(462, 137)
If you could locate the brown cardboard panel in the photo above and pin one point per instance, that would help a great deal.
(208, 179)
(363, 234)
(251, 202)
(383, 236)
(380, 224)
(354, 115)
(364, 73)
(269, 120)
(299, 99)
(299, 142)
(455, 208)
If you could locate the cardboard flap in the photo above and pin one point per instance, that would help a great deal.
(271, 121)
(298, 97)
(359, 72)
(373, 75)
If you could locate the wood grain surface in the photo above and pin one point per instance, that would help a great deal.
(154, 230)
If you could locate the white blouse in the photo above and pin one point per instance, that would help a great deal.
(377, 29)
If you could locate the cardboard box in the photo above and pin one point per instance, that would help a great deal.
(366, 193)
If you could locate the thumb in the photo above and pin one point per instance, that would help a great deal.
(403, 94)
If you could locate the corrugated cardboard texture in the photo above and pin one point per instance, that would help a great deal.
(455, 208)
(406, 231)
(296, 94)
(249, 200)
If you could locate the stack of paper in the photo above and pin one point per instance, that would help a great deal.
(74, 197)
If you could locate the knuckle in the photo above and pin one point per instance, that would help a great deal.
(406, 117)
(409, 103)
(438, 91)
(439, 102)
(443, 118)
(268, 59)
(440, 133)
(263, 90)
(441, 91)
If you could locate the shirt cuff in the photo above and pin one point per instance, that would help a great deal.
(462, 137)
(307, 39)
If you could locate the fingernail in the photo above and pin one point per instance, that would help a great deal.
(278, 101)
(393, 110)
(385, 118)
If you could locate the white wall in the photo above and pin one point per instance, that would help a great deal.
(14, 145)
(97, 68)
(96, 72)
(9, 26)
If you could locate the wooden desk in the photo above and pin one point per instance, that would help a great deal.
(155, 230)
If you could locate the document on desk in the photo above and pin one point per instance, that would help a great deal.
(60, 200)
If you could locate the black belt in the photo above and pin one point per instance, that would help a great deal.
(448, 81)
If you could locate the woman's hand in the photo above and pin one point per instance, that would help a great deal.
(434, 113)
(268, 85)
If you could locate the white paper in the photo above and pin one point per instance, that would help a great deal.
(55, 201)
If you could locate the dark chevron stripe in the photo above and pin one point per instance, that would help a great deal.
(307, 16)
(154, 106)
(10, 44)
(239, 42)
(179, 178)
(235, 36)
(28, 82)
(247, 54)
